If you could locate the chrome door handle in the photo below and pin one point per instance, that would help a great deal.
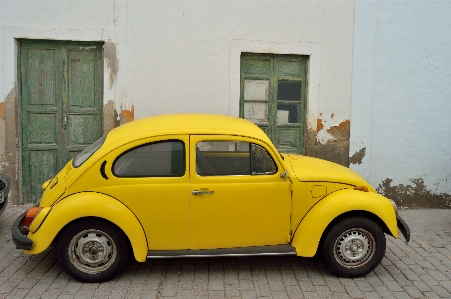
(197, 192)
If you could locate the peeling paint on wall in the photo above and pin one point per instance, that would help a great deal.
(110, 117)
(414, 196)
(358, 156)
(127, 115)
(319, 124)
(335, 149)
(9, 158)
(112, 63)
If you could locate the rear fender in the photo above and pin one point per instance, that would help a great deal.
(309, 231)
(89, 204)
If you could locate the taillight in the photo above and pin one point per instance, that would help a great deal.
(31, 214)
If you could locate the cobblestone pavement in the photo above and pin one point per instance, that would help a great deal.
(421, 269)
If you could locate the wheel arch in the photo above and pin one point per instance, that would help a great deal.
(355, 213)
(84, 205)
(88, 218)
(337, 206)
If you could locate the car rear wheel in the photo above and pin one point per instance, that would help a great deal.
(93, 251)
(353, 247)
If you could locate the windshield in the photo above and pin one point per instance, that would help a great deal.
(87, 152)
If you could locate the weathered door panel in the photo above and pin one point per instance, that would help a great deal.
(82, 98)
(40, 90)
(45, 79)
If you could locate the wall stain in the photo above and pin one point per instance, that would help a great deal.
(110, 54)
(2, 110)
(127, 115)
(415, 195)
(358, 156)
(336, 151)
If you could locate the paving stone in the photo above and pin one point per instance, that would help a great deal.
(410, 275)
(423, 287)
(340, 296)
(413, 291)
(431, 295)
(351, 288)
(248, 294)
(246, 285)
(323, 291)
(392, 285)
(441, 291)
(363, 284)
(437, 275)
(262, 290)
(382, 291)
(334, 284)
(446, 285)
(232, 290)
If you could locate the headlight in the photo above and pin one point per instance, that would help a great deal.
(394, 206)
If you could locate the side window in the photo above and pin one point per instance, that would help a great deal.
(215, 158)
(261, 161)
(159, 159)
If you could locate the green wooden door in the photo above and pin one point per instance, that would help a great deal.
(274, 96)
(61, 95)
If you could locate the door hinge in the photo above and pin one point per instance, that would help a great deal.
(289, 238)
(290, 187)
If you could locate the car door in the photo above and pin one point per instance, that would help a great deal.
(237, 196)
(150, 176)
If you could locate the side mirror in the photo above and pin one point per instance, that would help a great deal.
(284, 175)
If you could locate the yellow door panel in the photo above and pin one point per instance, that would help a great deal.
(160, 203)
(236, 210)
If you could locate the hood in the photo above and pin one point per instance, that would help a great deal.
(308, 169)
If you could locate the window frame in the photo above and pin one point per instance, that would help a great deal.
(152, 176)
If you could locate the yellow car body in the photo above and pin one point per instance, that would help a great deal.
(293, 201)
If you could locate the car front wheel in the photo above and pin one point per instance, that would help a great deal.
(92, 251)
(353, 247)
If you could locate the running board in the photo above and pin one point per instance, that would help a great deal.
(242, 251)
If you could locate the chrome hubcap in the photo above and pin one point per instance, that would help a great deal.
(354, 248)
(92, 251)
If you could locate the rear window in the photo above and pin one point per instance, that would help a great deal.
(87, 152)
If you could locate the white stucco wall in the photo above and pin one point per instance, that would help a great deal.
(401, 97)
(184, 56)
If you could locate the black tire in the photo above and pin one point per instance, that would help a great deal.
(353, 247)
(93, 251)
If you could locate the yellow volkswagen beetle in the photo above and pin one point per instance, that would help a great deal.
(192, 185)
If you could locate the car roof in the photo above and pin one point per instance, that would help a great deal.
(169, 124)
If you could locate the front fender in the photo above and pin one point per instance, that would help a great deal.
(309, 231)
(89, 204)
